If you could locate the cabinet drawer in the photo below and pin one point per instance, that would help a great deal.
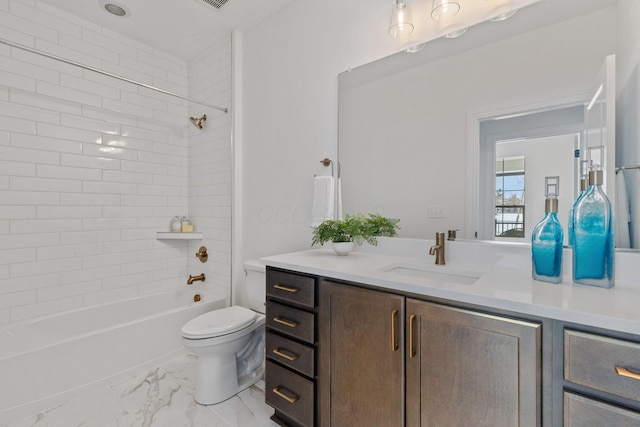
(600, 362)
(289, 393)
(581, 411)
(292, 288)
(290, 353)
(295, 323)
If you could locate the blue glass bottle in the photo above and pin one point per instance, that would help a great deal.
(593, 245)
(583, 189)
(546, 240)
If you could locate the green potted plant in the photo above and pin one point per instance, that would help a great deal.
(343, 233)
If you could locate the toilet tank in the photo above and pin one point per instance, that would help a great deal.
(255, 285)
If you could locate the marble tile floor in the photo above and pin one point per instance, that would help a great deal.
(157, 397)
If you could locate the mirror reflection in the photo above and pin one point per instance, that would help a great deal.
(410, 124)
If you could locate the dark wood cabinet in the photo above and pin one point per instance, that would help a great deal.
(290, 382)
(467, 368)
(601, 379)
(361, 357)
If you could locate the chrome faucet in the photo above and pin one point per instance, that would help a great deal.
(191, 279)
(438, 249)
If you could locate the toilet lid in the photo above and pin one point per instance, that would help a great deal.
(219, 322)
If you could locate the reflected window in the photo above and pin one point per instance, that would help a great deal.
(509, 197)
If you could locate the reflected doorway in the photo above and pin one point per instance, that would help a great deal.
(516, 153)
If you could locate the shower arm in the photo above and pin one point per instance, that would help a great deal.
(106, 73)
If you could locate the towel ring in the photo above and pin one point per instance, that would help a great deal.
(326, 162)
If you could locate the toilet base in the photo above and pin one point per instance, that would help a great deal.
(217, 380)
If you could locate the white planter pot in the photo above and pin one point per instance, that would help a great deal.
(342, 248)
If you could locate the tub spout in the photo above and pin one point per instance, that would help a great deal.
(199, 278)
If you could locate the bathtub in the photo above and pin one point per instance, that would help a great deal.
(46, 360)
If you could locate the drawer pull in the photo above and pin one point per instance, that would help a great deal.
(627, 373)
(285, 288)
(394, 342)
(286, 322)
(280, 352)
(290, 399)
(412, 350)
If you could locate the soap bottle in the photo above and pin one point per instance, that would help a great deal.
(185, 225)
(593, 245)
(583, 189)
(175, 225)
(547, 238)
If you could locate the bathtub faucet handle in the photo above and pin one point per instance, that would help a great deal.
(199, 278)
(202, 254)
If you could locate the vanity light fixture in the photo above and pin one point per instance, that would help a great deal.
(401, 23)
(503, 16)
(455, 34)
(415, 48)
(444, 9)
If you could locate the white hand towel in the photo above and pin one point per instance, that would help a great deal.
(633, 178)
(622, 216)
(323, 200)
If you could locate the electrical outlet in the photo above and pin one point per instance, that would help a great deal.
(436, 212)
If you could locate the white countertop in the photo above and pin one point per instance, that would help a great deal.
(498, 287)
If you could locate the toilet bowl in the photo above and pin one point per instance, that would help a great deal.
(229, 343)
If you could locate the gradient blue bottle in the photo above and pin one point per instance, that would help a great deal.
(547, 238)
(593, 245)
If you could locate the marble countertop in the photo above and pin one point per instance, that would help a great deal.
(497, 287)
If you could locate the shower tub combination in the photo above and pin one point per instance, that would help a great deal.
(45, 361)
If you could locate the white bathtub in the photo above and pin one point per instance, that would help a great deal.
(44, 360)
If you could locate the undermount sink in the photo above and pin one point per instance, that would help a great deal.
(433, 272)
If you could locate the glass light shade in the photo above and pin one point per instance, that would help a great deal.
(455, 34)
(401, 23)
(444, 9)
(416, 48)
(503, 16)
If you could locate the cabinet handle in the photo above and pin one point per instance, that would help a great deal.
(286, 322)
(285, 288)
(412, 350)
(280, 353)
(627, 373)
(394, 342)
(290, 399)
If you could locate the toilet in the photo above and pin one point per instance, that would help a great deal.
(229, 343)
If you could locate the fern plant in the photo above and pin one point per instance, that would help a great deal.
(354, 228)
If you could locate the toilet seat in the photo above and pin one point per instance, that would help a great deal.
(219, 322)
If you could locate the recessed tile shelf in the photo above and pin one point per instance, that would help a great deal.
(168, 235)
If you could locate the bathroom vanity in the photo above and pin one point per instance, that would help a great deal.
(396, 340)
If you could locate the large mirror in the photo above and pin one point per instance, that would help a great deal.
(410, 124)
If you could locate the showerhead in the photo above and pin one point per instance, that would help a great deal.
(198, 122)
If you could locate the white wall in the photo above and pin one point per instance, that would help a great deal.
(91, 167)
(291, 62)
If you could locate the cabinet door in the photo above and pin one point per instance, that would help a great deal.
(361, 363)
(581, 411)
(471, 369)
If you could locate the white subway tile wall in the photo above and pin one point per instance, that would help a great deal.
(91, 167)
(210, 162)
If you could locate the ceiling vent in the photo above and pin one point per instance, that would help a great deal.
(216, 3)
